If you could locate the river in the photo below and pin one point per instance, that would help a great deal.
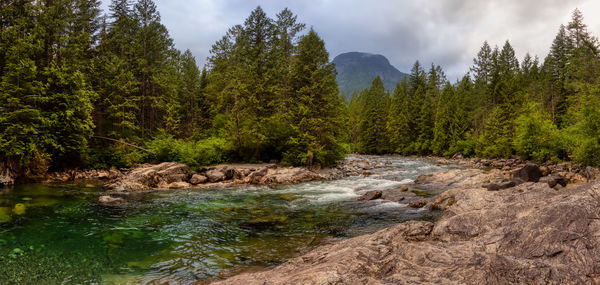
(58, 233)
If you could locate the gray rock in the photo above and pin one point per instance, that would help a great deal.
(110, 200)
(500, 186)
(417, 203)
(198, 179)
(554, 179)
(150, 176)
(371, 195)
(215, 175)
(528, 173)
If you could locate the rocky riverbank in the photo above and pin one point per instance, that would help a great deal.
(529, 231)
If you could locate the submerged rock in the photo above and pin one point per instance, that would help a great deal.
(110, 200)
(521, 235)
(417, 203)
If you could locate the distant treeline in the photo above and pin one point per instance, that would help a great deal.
(541, 111)
(71, 76)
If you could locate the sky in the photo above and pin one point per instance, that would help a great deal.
(448, 33)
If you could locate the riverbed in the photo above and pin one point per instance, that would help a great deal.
(59, 233)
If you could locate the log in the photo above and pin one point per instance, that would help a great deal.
(124, 143)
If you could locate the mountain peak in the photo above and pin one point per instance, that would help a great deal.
(356, 71)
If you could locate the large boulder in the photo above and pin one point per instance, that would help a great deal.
(215, 175)
(530, 172)
(150, 176)
(517, 236)
(198, 179)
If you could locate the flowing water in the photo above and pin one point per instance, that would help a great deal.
(53, 234)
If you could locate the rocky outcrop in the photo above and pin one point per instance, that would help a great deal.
(172, 175)
(151, 176)
(77, 174)
(528, 234)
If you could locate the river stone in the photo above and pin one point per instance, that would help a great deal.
(198, 179)
(215, 175)
(417, 203)
(371, 195)
(150, 176)
(528, 173)
(110, 200)
(178, 185)
(554, 179)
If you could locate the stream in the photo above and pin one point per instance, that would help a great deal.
(58, 233)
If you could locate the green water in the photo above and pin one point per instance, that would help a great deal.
(52, 234)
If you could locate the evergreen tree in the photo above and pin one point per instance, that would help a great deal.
(317, 115)
(373, 133)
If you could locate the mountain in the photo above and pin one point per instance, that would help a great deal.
(356, 71)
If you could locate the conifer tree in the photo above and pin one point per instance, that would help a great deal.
(317, 114)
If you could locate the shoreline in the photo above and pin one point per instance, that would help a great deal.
(526, 233)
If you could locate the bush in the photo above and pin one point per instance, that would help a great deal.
(536, 137)
(195, 153)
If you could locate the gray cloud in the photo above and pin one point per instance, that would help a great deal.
(445, 32)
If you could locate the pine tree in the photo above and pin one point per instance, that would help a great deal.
(317, 115)
(398, 120)
(372, 125)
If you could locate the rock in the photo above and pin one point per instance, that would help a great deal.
(517, 236)
(554, 179)
(103, 174)
(256, 176)
(215, 175)
(178, 185)
(198, 179)
(150, 176)
(417, 203)
(289, 175)
(396, 195)
(403, 188)
(545, 170)
(460, 178)
(371, 195)
(457, 155)
(528, 173)
(7, 174)
(110, 200)
(499, 186)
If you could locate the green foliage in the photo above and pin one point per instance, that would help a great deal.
(199, 153)
(536, 137)
(583, 134)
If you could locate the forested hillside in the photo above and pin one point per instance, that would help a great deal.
(547, 110)
(72, 78)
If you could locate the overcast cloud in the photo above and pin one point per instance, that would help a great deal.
(445, 32)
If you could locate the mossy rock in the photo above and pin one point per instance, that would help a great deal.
(19, 209)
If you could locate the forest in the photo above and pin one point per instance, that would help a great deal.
(542, 111)
(72, 76)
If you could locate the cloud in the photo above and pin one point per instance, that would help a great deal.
(445, 32)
